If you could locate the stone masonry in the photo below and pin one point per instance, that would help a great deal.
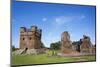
(67, 49)
(30, 38)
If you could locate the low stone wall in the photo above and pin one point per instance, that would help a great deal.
(28, 52)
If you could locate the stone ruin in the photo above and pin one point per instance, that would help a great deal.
(66, 45)
(30, 38)
(84, 47)
(30, 41)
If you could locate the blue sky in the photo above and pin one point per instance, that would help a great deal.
(53, 19)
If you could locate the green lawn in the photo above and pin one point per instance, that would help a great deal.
(44, 59)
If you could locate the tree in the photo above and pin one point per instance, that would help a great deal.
(77, 44)
(13, 48)
(42, 45)
(55, 46)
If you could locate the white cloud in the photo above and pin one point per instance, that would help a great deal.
(44, 19)
(83, 16)
(60, 20)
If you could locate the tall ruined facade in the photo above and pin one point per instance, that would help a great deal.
(82, 47)
(66, 44)
(30, 38)
(86, 46)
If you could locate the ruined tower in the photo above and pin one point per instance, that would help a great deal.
(65, 42)
(65, 39)
(66, 45)
(86, 46)
(30, 38)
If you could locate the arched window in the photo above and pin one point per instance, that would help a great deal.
(30, 38)
(23, 38)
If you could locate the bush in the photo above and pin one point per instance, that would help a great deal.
(55, 46)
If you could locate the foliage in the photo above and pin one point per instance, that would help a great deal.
(77, 42)
(42, 45)
(13, 48)
(55, 46)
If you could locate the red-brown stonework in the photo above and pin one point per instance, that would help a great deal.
(30, 38)
(66, 46)
(86, 46)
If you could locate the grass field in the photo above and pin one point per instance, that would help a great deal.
(44, 59)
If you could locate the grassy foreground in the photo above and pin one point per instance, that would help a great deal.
(44, 59)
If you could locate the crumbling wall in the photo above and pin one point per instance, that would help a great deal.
(30, 38)
(86, 46)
